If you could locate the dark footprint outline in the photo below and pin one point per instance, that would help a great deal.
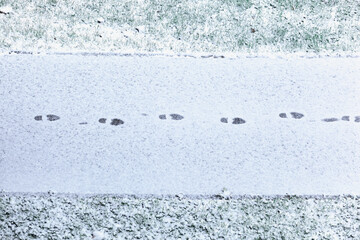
(174, 116)
(235, 120)
(50, 117)
(238, 121)
(297, 115)
(283, 115)
(330, 119)
(114, 121)
(102, 120)
(294, 115)
(343, 118)
(224, 120)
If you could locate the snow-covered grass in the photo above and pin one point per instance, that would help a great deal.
(126, 217)
(240, 26)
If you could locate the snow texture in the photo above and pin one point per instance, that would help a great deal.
(182, 143)
(208, 29)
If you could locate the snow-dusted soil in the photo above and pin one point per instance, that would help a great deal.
(43, 216)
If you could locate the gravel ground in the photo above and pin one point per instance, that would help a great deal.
(57, 216)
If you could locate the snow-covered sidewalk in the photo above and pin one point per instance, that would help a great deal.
(168, 125)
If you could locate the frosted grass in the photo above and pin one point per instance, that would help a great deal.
(237, 26)
(76, 217)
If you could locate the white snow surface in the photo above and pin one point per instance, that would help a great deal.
(196, 155)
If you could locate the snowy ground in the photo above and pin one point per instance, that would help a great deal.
(201, 152)
(42, 216)
(168, 26)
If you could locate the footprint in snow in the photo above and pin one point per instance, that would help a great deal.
(343, 118)
(235, 120)
(173, 116)
(49, 117)
(114, 121)
(330, 119)
(294, 115)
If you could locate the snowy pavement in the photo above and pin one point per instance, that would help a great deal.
(167, 125)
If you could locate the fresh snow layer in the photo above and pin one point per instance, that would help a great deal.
(61, 125)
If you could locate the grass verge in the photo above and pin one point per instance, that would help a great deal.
(240, 26)
(78, 217)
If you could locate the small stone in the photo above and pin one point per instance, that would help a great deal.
(100, 20)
